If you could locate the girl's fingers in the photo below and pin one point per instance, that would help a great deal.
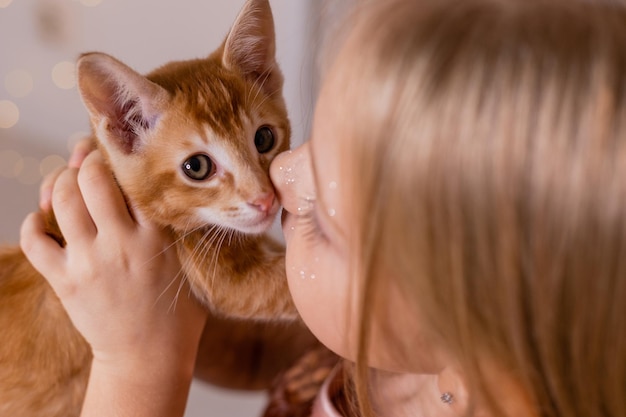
(70, 210)
(102, 195)
(43, 252)
(45, 190)
(80, 152)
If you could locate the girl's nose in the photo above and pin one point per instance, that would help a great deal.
(287, 172)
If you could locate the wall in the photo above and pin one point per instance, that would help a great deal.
(41, 115)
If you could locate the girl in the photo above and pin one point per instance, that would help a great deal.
(456, 225)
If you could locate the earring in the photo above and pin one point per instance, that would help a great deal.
(447, 398)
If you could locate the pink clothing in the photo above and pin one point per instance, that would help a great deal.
(323, 405)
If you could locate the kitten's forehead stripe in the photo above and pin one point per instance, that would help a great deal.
(212, 94)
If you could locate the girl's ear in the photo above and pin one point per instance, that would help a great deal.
(250, 47)
(123, 104)
(453, 391)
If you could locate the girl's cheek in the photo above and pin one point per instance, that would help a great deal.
(303, 265)
(318, 287)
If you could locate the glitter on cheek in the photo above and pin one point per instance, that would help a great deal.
(304, 273)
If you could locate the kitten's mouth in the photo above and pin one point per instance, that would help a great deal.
(258, 225)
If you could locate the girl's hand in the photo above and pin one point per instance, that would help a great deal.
(118, 277)
(79, 153)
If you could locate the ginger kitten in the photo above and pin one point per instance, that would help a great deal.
(190, 145)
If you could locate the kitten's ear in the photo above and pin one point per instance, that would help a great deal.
(251, 46)
(122, 103)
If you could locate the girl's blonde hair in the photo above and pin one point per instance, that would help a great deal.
(488, 141)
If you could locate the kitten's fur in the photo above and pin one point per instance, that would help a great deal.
(148, 128)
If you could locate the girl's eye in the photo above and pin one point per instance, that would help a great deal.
(198, 167)
(264, 139)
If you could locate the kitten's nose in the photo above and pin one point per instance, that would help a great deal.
(264, 203)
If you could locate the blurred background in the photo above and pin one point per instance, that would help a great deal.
(42, 117)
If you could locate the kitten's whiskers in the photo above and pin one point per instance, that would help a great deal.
(182, 269)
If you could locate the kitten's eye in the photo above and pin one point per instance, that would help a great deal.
(264, 139)
(198, 167)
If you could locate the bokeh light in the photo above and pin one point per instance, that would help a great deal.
(90, 3)
(18, 83)
(5, 3)
(29, 174)
(75, 138)
(50, 163)
(11, 163)
(9, 114)
(63, 75)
